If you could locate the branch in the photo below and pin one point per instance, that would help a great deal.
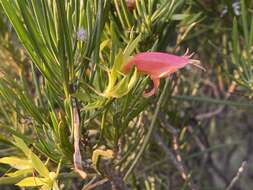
(176, 160)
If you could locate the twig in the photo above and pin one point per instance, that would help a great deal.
(175, 146)
(92, 186)
(115, 177)
(203, 147)
(176, 161)
(179, 158)
(90, 182)
(217, 111)
(210, 114)
(237, 176)
(168, 127)
(207, 159)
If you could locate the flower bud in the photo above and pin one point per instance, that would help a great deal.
(131, 4)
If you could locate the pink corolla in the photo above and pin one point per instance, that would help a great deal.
(158, 65)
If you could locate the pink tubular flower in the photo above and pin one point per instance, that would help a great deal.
(158, 65)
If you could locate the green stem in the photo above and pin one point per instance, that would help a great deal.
(151, 129)
(214, 101)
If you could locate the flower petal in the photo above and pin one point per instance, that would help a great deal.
(156, 83)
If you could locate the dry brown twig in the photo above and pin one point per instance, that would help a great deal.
(77, 158)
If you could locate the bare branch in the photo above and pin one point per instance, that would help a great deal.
(237, 176)
(176, 161)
